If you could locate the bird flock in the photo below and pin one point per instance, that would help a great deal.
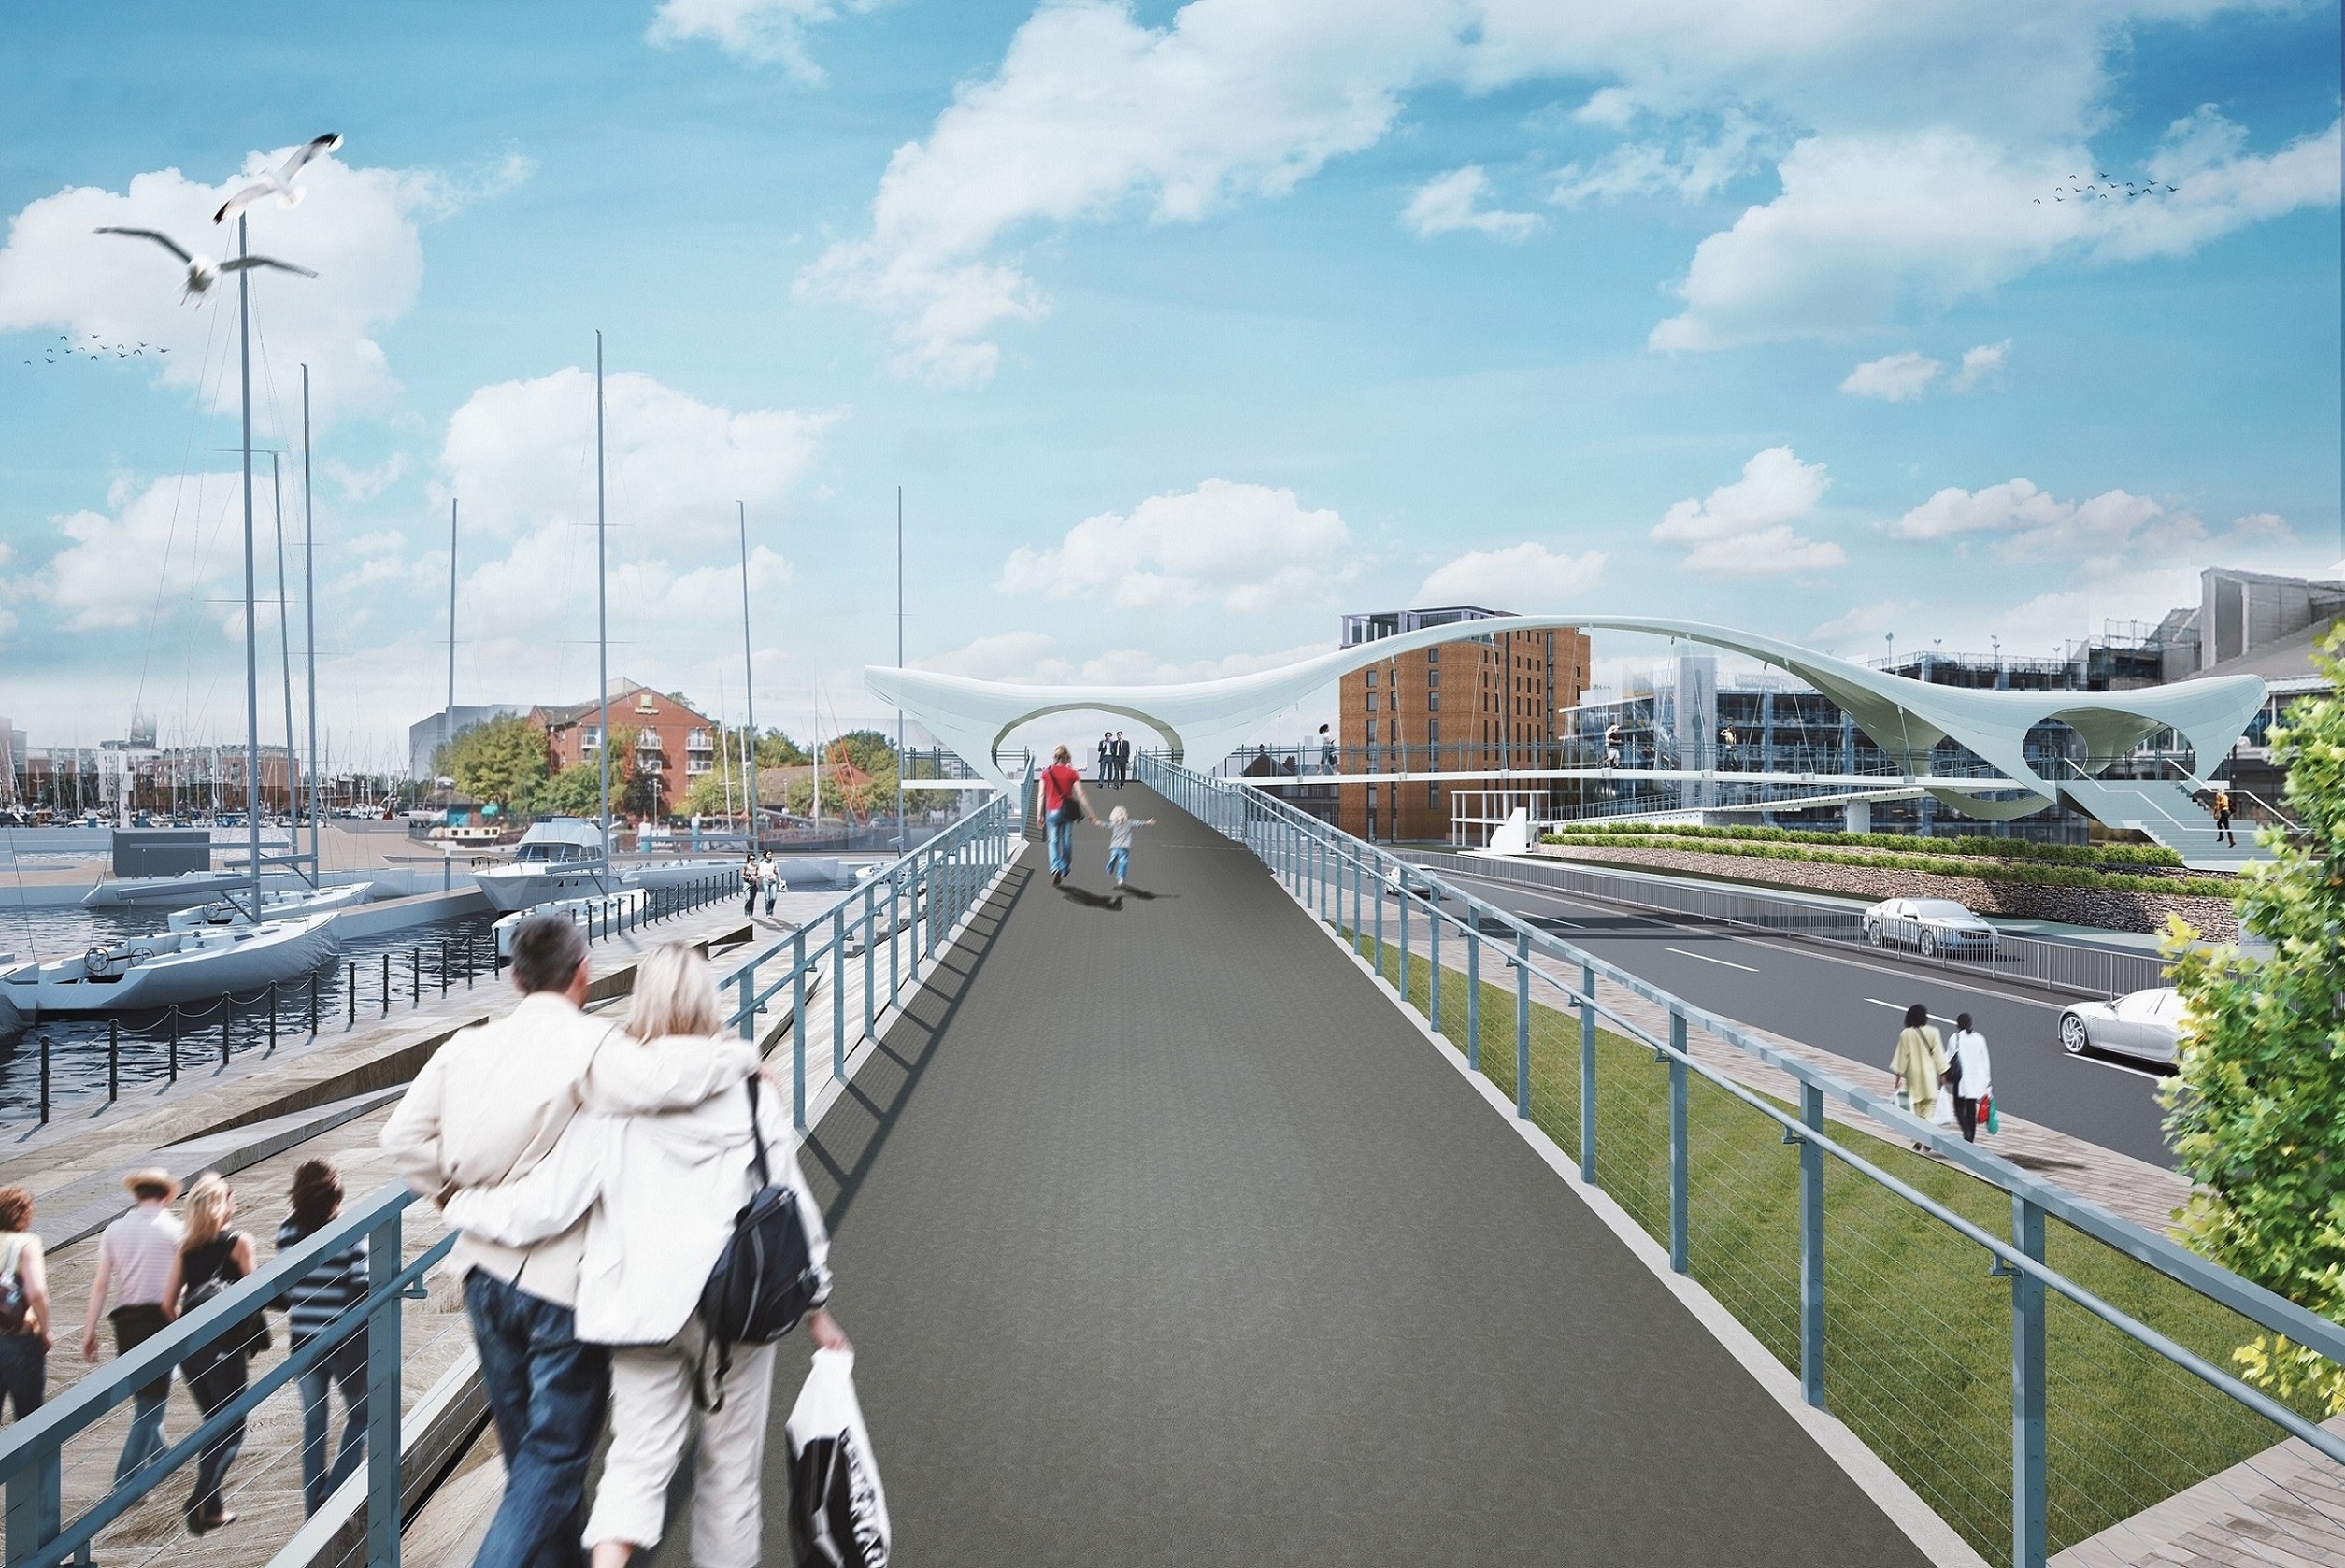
(93, 349)
(2106, 189)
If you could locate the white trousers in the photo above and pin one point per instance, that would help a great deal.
(650, 1414)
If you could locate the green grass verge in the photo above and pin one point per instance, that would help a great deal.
(1938, 865)
(1917, 1337)
(1969, 845)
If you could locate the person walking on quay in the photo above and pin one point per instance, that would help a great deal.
(212, 1257)
(770, 875)
(659, 1193)
(137, 1256)
(1920, 1062)
(1062, 800)
(1326, 749)
(24, 1333)
(751, 877)
(2222, 819)
(1969, 1075)
(485, 1110)
(1120, 826)
(313, 1303)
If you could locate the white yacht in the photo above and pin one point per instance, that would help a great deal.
(559, 858)
(274, 907)
(170, 966)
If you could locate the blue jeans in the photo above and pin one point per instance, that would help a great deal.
(346, 1367)
(1060, 829)
(548, 1390)
(132, 1327)
(1119, 863)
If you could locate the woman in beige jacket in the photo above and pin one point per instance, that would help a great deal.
(1920, 1062)
(659, 1192)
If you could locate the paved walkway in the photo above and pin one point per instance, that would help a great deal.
(1166, 1240)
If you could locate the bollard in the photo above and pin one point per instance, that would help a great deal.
(272, 1020)
(175, 1044)
(227, 1025)
(313, 1003)
(386, 982)
(443, 969)
(415, 975)
(113, 1060)
(44, 1080)
(350, 998)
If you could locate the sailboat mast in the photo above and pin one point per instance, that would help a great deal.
(447, 725)
(901, 761)
(602, 609)
(309, 636)
(251, 633)
(285, 658)
(749, 671)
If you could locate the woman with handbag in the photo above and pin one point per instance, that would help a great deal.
(661, 1194)
(1061, 802)
(212, 1257)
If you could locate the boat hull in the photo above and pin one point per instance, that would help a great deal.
(509, 889)
(202, 967)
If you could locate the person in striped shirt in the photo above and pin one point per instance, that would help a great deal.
(312, 1304)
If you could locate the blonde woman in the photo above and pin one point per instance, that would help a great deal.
(212, 1257)
(660, 1192)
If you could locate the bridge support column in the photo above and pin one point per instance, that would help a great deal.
(1678, 1161)
(1811, 1248)
(1857, 817)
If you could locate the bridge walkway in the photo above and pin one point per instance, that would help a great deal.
(1166, 1239)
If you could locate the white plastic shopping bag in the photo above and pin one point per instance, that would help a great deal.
(839, 1515)
(1942, 1109)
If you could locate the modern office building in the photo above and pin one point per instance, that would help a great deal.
(1480, 702)
(425, 736)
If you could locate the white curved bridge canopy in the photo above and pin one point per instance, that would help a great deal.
(1207, 719)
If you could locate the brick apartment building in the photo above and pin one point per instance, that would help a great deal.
(1487, 701)
(673, 743)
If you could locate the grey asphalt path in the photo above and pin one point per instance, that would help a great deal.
(1164, 1240)
(1850, 1002)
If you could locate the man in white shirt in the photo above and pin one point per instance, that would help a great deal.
(1969, 1075)
(134, 1260)
(486, 1109)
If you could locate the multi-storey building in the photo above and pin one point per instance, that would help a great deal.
(673, 743)
(1480, 702)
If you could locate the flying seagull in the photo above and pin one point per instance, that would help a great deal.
(279, 184)
(202, 271)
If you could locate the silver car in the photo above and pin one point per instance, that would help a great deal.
(1933, 927)
(2144, 1024)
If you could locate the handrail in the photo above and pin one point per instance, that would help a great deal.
(2265, 1308)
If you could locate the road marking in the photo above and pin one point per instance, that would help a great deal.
(1899, 1007)
(1707, 958)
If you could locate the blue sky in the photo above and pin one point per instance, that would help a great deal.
(1184, 328)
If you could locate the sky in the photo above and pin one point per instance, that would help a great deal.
(1182, 329)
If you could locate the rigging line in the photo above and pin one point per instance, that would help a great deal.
(178, 492)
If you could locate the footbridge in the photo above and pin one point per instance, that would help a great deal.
(1290, 1204)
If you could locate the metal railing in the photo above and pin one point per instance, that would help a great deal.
(1714, 1163)
(2062, 966)
(31, 1452)
(911, 904)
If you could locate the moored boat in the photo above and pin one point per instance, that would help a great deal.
(171, 967)
(559, 858)
(274, 907)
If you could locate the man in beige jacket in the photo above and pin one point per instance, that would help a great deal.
(486, 1109)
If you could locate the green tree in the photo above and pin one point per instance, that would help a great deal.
(571, 792)
(2254, 1113)
(501, 760)
(778, 750)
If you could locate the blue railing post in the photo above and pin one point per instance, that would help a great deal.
(1433, 961)
(748, 1002)
(2028, 1390)
(839, 991)
(1677, 1142)
(1379, 894)
(382, 1398)
(1588, 1074)
(1811, 1248)
(929, 901)
(870, 957)
(1523, 1024)
(1473, 994)
(36, 1507)
(895, 933)
(1401, 898)
(797, 1028)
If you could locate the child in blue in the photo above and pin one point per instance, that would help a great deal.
(1120, 826)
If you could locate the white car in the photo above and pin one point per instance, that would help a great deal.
(1933, 927)
(1405, 878)
(2145, 1024)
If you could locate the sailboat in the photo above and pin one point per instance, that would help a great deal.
(210, 959)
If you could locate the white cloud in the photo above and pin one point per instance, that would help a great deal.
(355, 227)
(1028, 656)
(521, 453)
(1982, 365)
(2261, 525)
(1744, 529)
(1696, 168)
(1868, 222)
(1865, 620)
(760, 32)
(1895, 377)
(1245, 547)
(364, 484)
(1523, 577)
(151, 550)
(2029, 524)
(1451, 201)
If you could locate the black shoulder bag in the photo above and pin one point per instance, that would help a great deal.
(765, 1281)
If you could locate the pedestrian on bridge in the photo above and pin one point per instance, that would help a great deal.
(751, 877)
(213, 1257)
(136, 1257)
(24, 1333)
(1920, 1062)
(1120, 826)
(1061, 800)
(314, 1304)
(770, 874)
(486, 1109)
(1124, 761)
(659, 1194)
(1969, 1079)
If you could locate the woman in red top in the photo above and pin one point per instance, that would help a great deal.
(1061, 799)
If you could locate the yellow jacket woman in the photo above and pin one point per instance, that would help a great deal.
(1920, 1062)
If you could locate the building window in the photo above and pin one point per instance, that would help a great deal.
(1371, 702)
(1433, 655)
(1371, 732)
(1433, 732)
(1433, 677)
(699, 764)
(589, 738)
(1433, 702)
(1433, 793)
(696, 740)
(1371, 678)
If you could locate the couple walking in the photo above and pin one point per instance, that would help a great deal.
(1061, 802)
(1115, 759)
(595, 1174)
(1923, 1065)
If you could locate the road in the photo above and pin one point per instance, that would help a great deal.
(1849, 1001)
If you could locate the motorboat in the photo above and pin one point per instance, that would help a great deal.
(560, 858)
(122, 892)
(675, 874)
(290, 905)
(598, 913)
(171, 967)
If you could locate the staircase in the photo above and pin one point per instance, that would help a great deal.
(2165, 811)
